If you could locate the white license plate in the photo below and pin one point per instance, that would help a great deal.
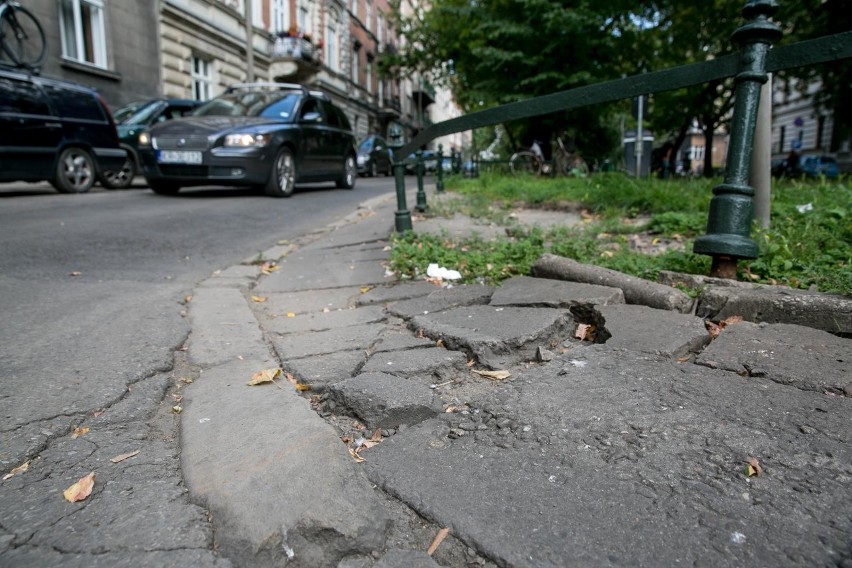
(178, 157)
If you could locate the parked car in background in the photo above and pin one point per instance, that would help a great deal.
(55, 131)
(430, 162)
(816, 166)
(264, 135)
(374, 156)
(131, 120)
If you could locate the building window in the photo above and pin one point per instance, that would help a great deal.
(380, 30)
(369, 69)
(257, 13)
(356, 67)
(353, 7)
(368, 15)
(332, 53)
(303, 13)
(280, 15)
(81, 24)
(202, 79)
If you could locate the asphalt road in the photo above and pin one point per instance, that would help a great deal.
(91, 288)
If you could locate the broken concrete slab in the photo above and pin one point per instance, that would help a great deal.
(661, 332)
(238, 276)
(298, 519)
(458, 226)
(400, 340)
(321, 321)
(800, 356)
(442, 299)
(771, 304)
(397, 558)
(316, 272)
(381, 400)
(497, 336)
(405, 291)
(322, 370)
(279, 304)
(636, 290)
(432, 364)
(352, 338)
(549, 293)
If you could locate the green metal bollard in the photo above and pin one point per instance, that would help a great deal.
(439, 185)
(731, 209)
(421, 195)
(402, 218)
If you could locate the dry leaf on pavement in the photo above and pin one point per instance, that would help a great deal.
(439, 538)
(493, 375)
(753, 469)
(122, 457)
(20, 469)
(79, 432)
(358, 459)
(259, 299)
(80, 490)
(265, 376)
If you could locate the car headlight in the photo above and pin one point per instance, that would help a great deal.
(362, 160)
(246, 140)
(144, 139)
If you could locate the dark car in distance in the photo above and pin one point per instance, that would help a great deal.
(133, 119)
(56, 131)
(374, 156)
(263, 135)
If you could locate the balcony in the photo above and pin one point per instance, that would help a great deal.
(390, 107)
(293, 59)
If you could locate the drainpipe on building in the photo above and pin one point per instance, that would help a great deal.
(249, 42)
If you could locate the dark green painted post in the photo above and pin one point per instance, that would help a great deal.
(731, 209)
(402, 219)
(421, 195)
(439, 184)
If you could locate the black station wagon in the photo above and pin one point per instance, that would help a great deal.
(265, 135)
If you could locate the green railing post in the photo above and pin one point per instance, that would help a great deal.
(421, 195)
(439, 184)
(731, 209)
(402, 218)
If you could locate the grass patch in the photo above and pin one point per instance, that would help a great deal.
(638, 227)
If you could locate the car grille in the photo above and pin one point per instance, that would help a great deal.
(181, 142)
(183, 170)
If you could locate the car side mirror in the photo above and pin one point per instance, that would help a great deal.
(312, 117)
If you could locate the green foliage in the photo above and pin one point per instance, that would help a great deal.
(803, 249)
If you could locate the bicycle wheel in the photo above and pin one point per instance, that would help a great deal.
(21, 36)
(524, 163)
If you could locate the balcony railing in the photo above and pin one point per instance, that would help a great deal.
(295, 48)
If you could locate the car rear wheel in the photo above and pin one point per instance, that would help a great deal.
(164, 187)
(282, 178)
(347, 180)
(75, 171)
(120, 179)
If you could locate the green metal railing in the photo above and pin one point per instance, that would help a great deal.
(730, 215)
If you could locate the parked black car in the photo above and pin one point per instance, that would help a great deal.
(264, 135)
(55, 131)
(374, 156)
(131, 120)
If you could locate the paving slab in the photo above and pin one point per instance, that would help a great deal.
(548, 293)
(432, 364)
(795, 355)
(606, 457)
(458, 226)
(497, 337)
(237, 276)
(778, 304)
(385, 294)
(323, 370)
(320, 321)
(351, 338)
(442, 299)
(251, 474)
(279, 304)
(400, 340)
(322, 270)
(662, 332)
(397, 558)
(385, 401)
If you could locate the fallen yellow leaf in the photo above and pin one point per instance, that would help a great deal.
(20, 469)
(753, 469)
(75, 273)
(302, 387)
(291, 315)
(80, 490)
(365, 289)
(122, 457)
(493, 375)
(177, 409)
(259, 299)
(265, 376)
(358, 459)
(79, 432)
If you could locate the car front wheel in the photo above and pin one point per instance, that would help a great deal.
(282, 178)
(347, 180)
(120, 179)
(75, 171)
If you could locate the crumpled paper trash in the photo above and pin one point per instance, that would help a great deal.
(805, 208)
(435, 271)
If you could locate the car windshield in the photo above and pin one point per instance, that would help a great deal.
(268, 104)
(826, 160)
(130, 114)
(366, 146)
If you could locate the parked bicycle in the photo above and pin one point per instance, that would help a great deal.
(564, 162)
(21, 35)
